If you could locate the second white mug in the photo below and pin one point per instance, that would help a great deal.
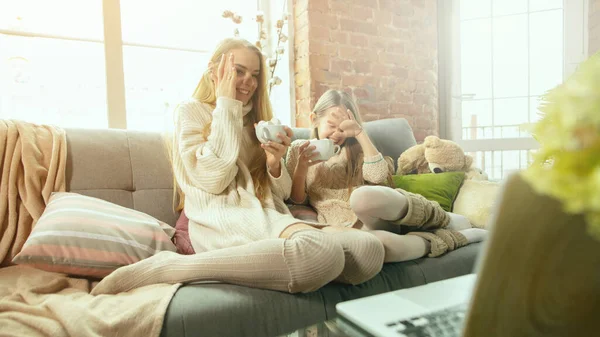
(326, 148)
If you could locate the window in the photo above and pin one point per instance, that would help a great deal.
(55, 68)
(52, 63)
(166, 47)
(501, 57)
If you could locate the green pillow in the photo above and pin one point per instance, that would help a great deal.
(440, 187)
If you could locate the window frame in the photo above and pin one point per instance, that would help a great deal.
(450, 99)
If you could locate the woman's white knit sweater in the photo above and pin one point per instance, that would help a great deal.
(213, 174)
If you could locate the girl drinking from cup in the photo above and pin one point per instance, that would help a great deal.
(349, 189)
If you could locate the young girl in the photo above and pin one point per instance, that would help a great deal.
(235, 187)
(337, 189)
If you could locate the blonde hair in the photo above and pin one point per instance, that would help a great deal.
(261, 110)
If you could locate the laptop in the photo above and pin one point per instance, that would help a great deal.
(499, 298)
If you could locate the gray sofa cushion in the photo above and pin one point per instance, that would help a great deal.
(230, 310)
(128, 168)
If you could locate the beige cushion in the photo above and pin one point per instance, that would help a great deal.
(476, 200)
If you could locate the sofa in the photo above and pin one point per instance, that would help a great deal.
(132, 169)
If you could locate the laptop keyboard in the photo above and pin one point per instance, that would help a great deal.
(443, 323)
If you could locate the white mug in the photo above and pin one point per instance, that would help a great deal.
(267, 131)
(325, 148)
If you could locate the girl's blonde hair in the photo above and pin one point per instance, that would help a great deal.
(261, 110)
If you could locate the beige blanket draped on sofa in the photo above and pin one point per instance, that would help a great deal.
(38, 303)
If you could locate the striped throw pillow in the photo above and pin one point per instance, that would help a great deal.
(85, 236)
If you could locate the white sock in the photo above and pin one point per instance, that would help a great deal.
(474, 234)
(458, 222)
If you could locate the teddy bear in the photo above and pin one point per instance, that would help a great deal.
(436, 155)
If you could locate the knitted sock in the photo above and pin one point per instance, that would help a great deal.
(363, 252)
(456, 239)
(400, 248)
(304, 262)
(376, 206)
(437, 245)
(422, 214)
(453, 239)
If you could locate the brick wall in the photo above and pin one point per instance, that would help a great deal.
(383, 52)
(594, 27)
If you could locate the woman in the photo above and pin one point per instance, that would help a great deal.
(337, 189)
(235, 188)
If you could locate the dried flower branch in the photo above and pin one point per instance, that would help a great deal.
(260, 17)
(236, 18)
(279, 50)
